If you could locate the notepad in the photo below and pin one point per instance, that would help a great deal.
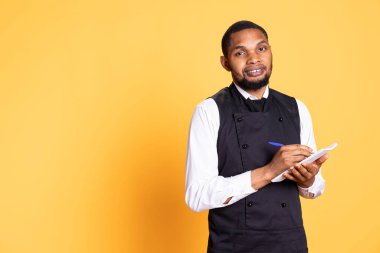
(309, 159)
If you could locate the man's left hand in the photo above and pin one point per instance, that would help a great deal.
(304, 174)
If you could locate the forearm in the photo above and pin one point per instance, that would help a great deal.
(205, 188)
(217, 191)
(261, 177)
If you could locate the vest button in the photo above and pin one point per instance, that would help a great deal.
(280, 119)
(240, 119)
(250, 204)
(245, 146)
(283, 205)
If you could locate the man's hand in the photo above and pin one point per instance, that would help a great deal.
(304, 174)
(286, 157)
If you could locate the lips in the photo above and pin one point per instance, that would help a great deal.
(254, 71)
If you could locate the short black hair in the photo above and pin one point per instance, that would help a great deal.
(236, 27)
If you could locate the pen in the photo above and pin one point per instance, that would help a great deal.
(275, 144)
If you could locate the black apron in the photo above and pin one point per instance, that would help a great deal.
(269, 220)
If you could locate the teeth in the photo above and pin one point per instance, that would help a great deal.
(254, 71)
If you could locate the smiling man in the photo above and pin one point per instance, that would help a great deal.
(240, 139)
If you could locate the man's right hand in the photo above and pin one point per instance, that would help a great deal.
(286, 157)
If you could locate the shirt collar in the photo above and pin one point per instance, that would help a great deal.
(247, 95)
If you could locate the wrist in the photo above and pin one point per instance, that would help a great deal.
(260, 177)
(268, 173)
(306, 184)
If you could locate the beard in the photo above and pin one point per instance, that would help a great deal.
(253, 85)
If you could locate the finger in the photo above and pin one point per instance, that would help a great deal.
(289, 176)
(293, 160)
(303, 171)
(298, 158)
(297, 175)
(297, 152)
(298, 147)
(312, 168)
(321, 160)
(302, 152)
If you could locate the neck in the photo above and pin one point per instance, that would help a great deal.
(257, 93)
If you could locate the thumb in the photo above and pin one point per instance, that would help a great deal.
(321, 160)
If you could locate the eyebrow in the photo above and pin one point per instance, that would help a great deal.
(263, 42)
(243, 47)
(239, 47)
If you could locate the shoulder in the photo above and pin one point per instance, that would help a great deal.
(302, 108)
(208, 104)
(206, 118)
(210, 107)
(222, 96)
(277, 93)
(287, 101)
(207, 109)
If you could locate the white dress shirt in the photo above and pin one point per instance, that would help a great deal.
(205, 189)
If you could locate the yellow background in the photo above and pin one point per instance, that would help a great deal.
(96, 99)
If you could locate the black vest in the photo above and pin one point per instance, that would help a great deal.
(269, 220)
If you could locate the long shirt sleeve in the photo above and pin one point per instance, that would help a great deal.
(205, 189)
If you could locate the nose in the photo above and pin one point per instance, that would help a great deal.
(253, 57)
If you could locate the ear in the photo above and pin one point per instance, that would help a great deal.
(224, 62)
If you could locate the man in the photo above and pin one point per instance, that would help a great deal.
(240, 139)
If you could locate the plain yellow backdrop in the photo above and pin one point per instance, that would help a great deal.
(96, 99)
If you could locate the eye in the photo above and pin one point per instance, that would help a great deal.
(239, 53)
(262, 49)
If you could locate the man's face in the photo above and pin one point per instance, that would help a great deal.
(249, 59)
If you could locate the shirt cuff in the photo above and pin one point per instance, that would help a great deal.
(304, 192)
(310, 192)
(240, 187)
(242, 184)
